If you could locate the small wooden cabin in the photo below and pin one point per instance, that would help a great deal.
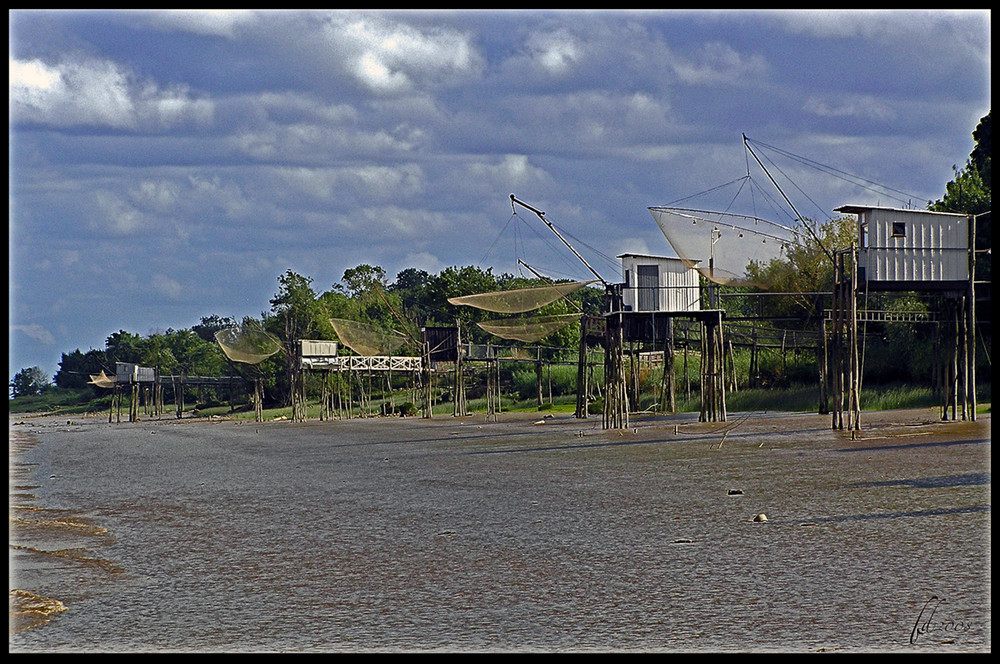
(659, 284)
(127, 372)
(318, 353)
(911, 249)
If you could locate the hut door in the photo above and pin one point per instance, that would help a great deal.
(648, 281)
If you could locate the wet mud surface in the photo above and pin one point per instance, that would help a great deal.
(527, 534)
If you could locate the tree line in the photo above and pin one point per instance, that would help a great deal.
(416, 298)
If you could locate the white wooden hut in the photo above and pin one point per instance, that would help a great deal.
(911, 249)
(659, 284)
(318, 354)
(127, 372)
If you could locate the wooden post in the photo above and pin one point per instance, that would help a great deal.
(428, 407)
(703, 387)
(615, 391)
(721, 361)
(855, 365)
(837, 421)
(460, 405)
(954, 362)
(582, 372)
(179, 397)
(666, 401)
(961, 350)
(823, 370)
(687, 381)
(668, 369)
(970, 325)
(538, 374)
(732, 367)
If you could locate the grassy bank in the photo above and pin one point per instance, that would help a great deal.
(793, 399)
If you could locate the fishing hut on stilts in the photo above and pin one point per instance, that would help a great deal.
(641, 310)
(656, 293)
(903, 250)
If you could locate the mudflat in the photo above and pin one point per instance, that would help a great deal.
(766, 532)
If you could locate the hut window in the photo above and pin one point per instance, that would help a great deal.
(898, 229)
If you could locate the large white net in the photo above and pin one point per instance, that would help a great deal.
(367, 340)
(528, 329)
(720, 245)
(519, 300)
(248, 343)
(102, 380)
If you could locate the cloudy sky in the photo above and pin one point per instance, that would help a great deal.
(166, 166)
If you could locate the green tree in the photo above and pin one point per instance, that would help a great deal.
(981, 158)
(296, 314)
(154, 351)
(193, 354)
(363, 278)
(411, 287)
(806, 268)
(971, 193)
(968, 193)
(455, 282)
(210, 325)
(123, 346)
(76, 368)
(29, 382)
(373, 301)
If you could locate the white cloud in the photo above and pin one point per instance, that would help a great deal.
(36, 332)
(556, 53)
(97, 93)
(34, 76)
(167, 287)
(214, 193)
(391, 57)
(717, 63)
(866, 107)
(114, 214)
(874, 24)
(386, 226)
(366, 183)
(160, 195)
(84, 93)
(425, 261)
(511, 172)
(308, 142)
(210, 22)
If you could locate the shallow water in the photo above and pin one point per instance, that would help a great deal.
(460, 535)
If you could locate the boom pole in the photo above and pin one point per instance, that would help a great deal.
(541, 215)
(800, 217)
